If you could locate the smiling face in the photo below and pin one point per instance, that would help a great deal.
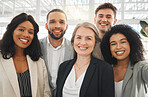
(104, 19)
(84, 41)
(119, 46)
(56, 25)
(23, 35)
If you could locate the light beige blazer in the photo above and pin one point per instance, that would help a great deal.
(9, 86)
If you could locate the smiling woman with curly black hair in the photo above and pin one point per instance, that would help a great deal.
(122, 47)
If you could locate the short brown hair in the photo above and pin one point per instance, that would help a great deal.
(105, 6)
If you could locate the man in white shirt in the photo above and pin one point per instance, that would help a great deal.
(55, 48)
(105, 17)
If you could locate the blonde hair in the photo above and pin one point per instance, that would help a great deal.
(96, 51)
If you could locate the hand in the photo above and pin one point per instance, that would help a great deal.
(146, 30)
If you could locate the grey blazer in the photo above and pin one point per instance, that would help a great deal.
(68, 56)
(135, 80)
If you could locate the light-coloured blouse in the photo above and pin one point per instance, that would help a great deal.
(118, 88)
(71, 87)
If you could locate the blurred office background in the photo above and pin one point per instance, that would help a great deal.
(129, 12)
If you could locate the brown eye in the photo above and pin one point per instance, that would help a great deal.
(21, 30)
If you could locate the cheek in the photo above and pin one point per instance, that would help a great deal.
(75, 44)
(111, 49)
(31, 37)
(93, 44)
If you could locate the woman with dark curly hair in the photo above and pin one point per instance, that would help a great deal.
(23, 72)
(122, 48)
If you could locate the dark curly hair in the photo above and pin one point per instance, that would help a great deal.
(7, 42)
(136, 46)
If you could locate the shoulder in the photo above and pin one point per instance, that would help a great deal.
(67, 42)
(141, 64)
(66, 65)
(101, 64)
(40, 62)
(43, 40)
(0, 55)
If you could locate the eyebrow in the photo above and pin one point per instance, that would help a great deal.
(120, 40)
(25, 27)
(55, 19)
(124, 39)
(86, 36)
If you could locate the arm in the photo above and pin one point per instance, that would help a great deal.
(47, 92)
(108, 82)
(144, 66)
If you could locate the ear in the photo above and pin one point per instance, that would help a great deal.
(66, 26)
(115, 21)
(95, 20)
(46, 26)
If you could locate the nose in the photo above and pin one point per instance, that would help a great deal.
(82, 41)
(118, 45)
(104, 19)
(57, 25)
(26, 34)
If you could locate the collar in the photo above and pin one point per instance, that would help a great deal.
(63, 43)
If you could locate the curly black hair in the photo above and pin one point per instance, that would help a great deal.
(7, 42)
(134, 39)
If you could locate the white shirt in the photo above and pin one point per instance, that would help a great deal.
(72, 88)
(55, 57)
(118, 88)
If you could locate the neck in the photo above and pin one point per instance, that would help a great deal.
(55, 43)
(123, 63)
(82, 60)
(19, 51)
(101, 35)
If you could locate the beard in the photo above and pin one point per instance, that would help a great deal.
(54, 37)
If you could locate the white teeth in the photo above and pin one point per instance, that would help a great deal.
(57, 31)
(103, 24)
(120, 52)
(82, 48)
(23, 40)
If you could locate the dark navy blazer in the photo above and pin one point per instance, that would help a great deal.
(98, 80)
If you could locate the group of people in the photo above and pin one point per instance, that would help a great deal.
(99, 61)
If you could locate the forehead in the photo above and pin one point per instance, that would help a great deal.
(26, 24)
(84, 31)
(57, 16)
(116, 37)
(106, 11)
